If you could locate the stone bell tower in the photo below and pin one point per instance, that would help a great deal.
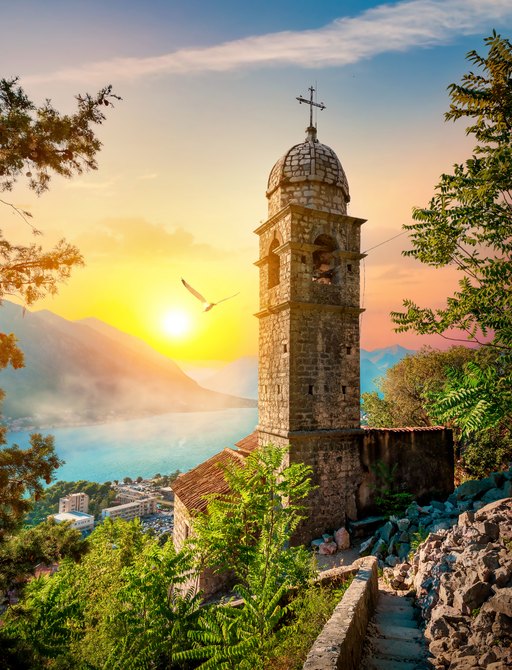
(309, 255)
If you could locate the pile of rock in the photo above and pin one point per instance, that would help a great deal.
(391, 543)
(463, 583)
(329, 544)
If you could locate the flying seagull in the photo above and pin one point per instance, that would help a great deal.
(206, 304)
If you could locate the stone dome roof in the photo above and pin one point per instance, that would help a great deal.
(309, 161)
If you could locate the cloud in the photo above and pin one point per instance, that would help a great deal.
(136, 237)
(92, 185)
(400, 26)
(147, 177)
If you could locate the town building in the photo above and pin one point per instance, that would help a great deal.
(74, 502)
(79, 520)
(132, 510)
(129, 495)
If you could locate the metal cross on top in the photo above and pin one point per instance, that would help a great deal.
(311, 104)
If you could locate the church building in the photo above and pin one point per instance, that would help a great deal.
(308, 391)
(308, 367)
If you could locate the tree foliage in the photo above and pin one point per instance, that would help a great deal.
(47, 543)
(248, 532)
(119, 608)
(468, 225)
(100, 496)
(248, 529)
(36, 142)
(406, 387)
(21, 472)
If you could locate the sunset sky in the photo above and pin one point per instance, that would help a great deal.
(208, 107)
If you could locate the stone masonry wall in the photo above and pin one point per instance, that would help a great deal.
(423, 458)
(324, 367)
(182, 524)
(334, 458)
(307, 193)
(342, 463)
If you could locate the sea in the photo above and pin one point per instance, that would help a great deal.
(144, 447)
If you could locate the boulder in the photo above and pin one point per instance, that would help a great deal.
(327, 548)
(474, 488)
(342, 538)
(493, 494)
(386, 531)
(392, 561)
(366, 546)
(472, 597)
(379, 548)
(404, 550)
(466, 518)
(403, 524)
(502, 602)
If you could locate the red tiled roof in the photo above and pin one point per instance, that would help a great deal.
(407, 429)
(207, 478)
(248, 443)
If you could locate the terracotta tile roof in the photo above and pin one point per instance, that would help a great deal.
(408, 429)
(248, 443)
(206, 478)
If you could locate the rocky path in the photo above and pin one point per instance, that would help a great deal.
(394, 640)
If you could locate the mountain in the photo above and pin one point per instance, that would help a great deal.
(237, 378)
(375, 363)
(89, 371)
(241, 376)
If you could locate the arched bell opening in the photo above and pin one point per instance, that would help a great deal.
(325, 262)
(273, 264)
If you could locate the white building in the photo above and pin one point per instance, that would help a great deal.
(75, 502)
(79, 520)
(129, 511)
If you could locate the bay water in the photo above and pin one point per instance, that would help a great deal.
(144, 447)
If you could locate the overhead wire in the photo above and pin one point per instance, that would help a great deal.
(364, 270)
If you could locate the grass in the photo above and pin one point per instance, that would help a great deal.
(310, 611)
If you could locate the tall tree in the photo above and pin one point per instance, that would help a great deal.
(36, 142)
(468, 225)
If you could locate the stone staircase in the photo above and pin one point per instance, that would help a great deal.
(394, 640)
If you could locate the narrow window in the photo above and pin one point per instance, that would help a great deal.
(310, 389)
(343, 389)
(273, 265)
(349, 350)
(303, 259)
(278, 389)
(285, 348)
(349, 268)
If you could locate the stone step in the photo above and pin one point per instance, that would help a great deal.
(393, 632)
(395, 602)
(386, 664)
(406, 650)
(396, 619)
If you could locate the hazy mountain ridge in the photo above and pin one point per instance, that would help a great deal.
(89, 371)
(240, 377)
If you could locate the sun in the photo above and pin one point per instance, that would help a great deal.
(176, 323)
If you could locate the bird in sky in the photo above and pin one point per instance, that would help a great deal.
(207, 305)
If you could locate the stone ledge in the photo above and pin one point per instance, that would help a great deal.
(340, 643)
